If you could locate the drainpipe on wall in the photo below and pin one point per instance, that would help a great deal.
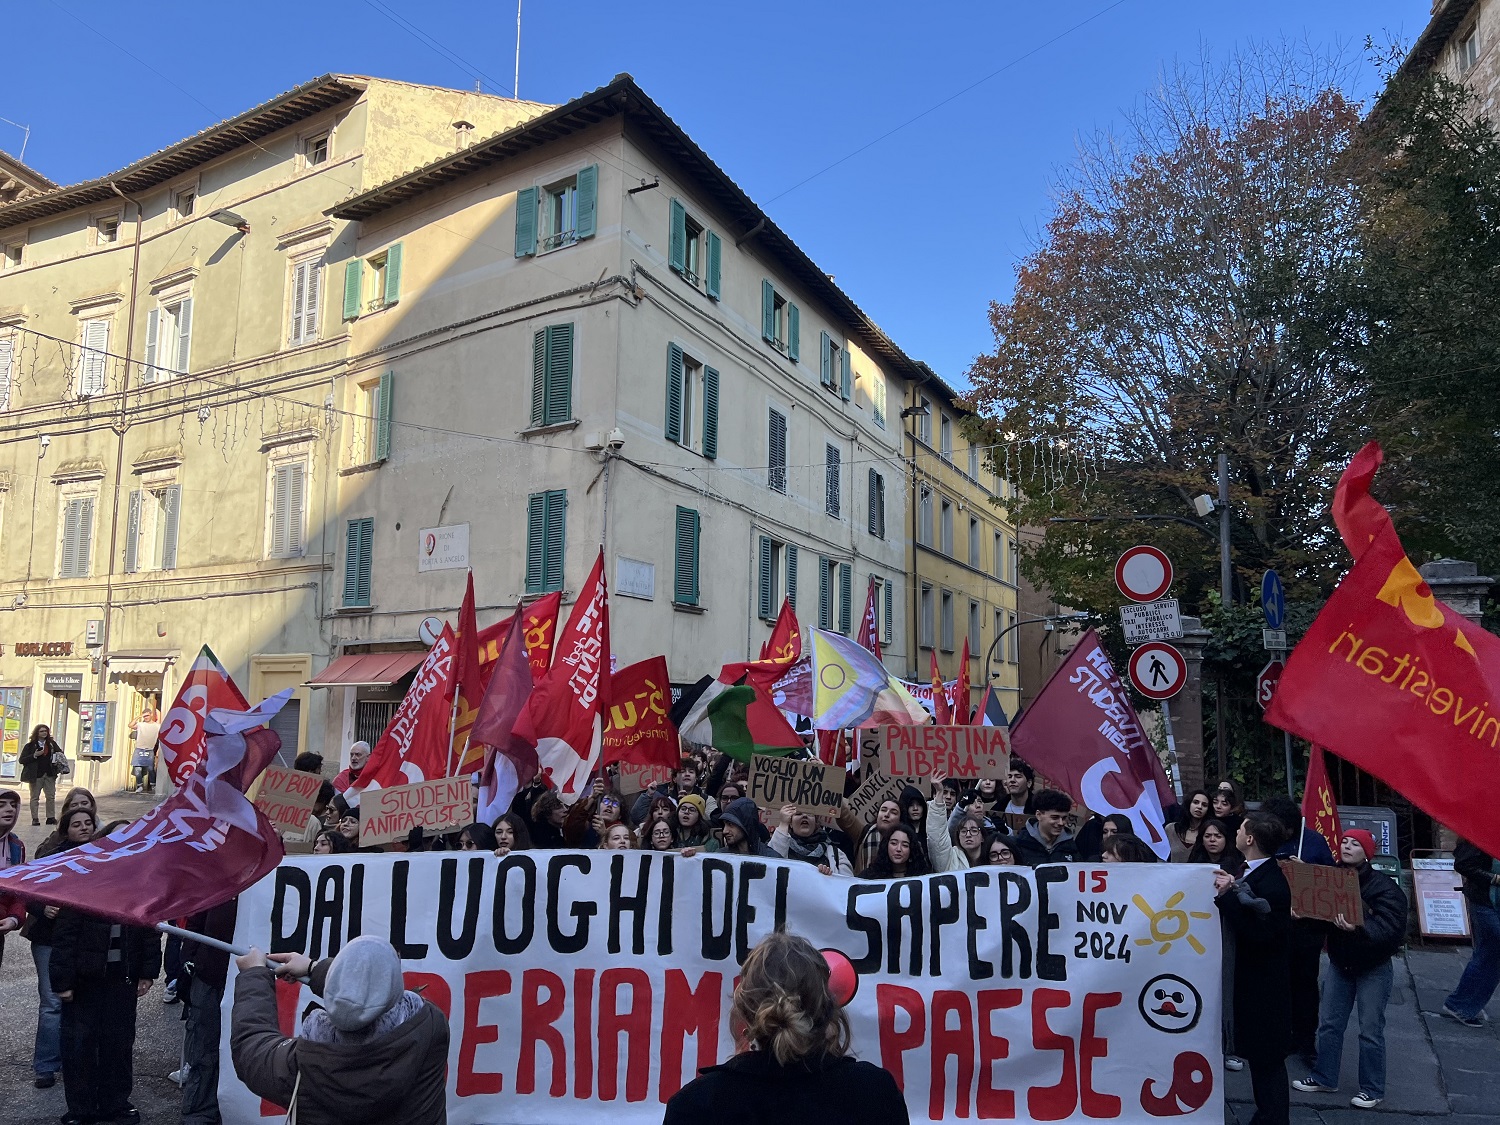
(916, 580)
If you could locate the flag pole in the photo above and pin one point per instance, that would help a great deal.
(452, 723)
(213, 943)
(1301, 837)
(1166, 717)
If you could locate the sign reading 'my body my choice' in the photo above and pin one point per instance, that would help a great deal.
(580, 984)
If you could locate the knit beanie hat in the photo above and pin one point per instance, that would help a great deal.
(362, 983)
(698, 803)
(1364, 839)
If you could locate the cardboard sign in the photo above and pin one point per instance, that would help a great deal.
(813, 786)
(590, 986)
(634, 777)
(958, 751)
(1324, 892)
(433, 806)
(876, 788)
(287, 797)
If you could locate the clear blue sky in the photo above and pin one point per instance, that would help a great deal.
(922, 229)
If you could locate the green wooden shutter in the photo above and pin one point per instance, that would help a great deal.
(846, 374)
(354, 280)
(153, 331)
(677, 237)
(392, 292)
(825, 594)
(172, 500)
(526, 207)
(764, 593)
(538, 377)
(588, 201)
(767, 311)
(793, 332)
(559, 406)
(132, 534)
(776, 471)
(791, 574)
(714, 252)
(825, 349)
(674, 393)
(871, 488)
(685, 580)
(359, 541)
(710, 412)
(536, 540)
(557, 522)
(383, 416)
(846, 597)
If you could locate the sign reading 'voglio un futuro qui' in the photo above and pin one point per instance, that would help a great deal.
(598, 982)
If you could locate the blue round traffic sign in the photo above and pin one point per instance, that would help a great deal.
(1273, 600)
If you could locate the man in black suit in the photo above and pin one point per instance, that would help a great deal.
(1258, 908)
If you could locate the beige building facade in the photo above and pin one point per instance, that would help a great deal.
(170, 357)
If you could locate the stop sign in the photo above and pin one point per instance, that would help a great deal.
(1265, 683)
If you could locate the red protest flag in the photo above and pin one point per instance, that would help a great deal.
(1392, 680)
(465, 689)
(785, 645)
(563, 718)
(509, 762)
(200, 847)
(1082, 732)
(962, 714)
(639, 728)
(869, 632)
(206, 686)
(415, 745)
(1319, 810)
(539, 626)
(940, 707)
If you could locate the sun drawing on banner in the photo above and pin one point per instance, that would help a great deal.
(1169, 924)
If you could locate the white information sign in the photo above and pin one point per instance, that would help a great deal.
(1151, 621)
(443, 548)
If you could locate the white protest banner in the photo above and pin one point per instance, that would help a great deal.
(586, 984)
(433, 806)
(813, 786)
(958, 751)
(287, 797)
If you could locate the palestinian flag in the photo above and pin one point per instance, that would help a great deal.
(739, 719)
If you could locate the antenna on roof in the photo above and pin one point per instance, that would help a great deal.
(26, 129)
(516, 86)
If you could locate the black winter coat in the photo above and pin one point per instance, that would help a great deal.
(1262, 973)
(36, 760)
(753, 1089)
(80, 950)
(1033, 852)
(1374, 943)
(1475, 867)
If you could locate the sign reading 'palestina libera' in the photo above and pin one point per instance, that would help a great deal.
(584, 983)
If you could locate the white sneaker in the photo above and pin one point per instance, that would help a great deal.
(1233, 1062)
(179, 1076)
(1308, 1086)
(1364, 1101)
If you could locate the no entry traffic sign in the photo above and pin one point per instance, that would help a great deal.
(1143, 573)
(1158, 670)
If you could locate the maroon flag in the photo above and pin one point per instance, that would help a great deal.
(639, 727)
(869, 629)
(509, 762)
(1084, 735)
(200, 847)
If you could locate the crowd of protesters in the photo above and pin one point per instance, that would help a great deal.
(91, 973)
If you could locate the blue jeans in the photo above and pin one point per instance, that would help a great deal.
(1482, 973)
(48, 1057)
(1341, 992)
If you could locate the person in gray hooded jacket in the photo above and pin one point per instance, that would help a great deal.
(373, 1054)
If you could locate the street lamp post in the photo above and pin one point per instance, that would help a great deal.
(1051, 619)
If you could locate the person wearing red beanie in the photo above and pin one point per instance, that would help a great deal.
(1359, 973)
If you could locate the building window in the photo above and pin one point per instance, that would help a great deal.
(546, 539)
(75, 551)
(998, 563)
(558, 215)
(973, 629)
(107, 230)
(974, 463)
(776, 562)
(169, 332)
(846, 598)
(92, 373)
(685, 248)
(370, 428)
(151, 528)
(781, 321)
(7, 362)
(924, 521)
(945, 436)
(947, 621)
(946, 528)
(1468, 49)
(924, 419)
(877, 505)
(692, 403)
(306, 301)
(974, 542)
(12, 255)
(1013, 644)
(1015, 563)
(375, 283)
(776, 443)
(877, 399)
(383, 288)
(552, 375)
(887, 608)
(685, 571)
(315, 150)
(999, 630)
(836, 372)
(926, 638)
(359, 547)
(288, 514)
(831, 482)
(184, 203)
(835, 579)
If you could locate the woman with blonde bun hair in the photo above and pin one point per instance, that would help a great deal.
(794, 1062)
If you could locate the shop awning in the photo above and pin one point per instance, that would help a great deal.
(367, 669)
(140, 663)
